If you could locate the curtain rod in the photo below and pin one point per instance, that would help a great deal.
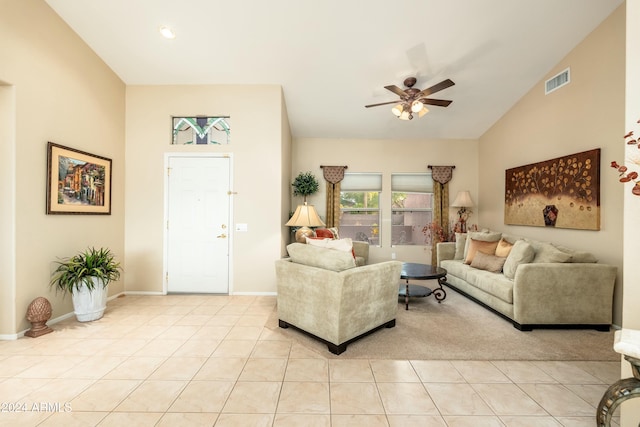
(431, 167)
(322, 167)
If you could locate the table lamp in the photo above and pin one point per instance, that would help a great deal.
(304, 217)
(462, 201)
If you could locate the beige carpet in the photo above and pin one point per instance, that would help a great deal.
(460, 329)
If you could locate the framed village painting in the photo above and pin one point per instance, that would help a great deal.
(562, 192)
(77, 182)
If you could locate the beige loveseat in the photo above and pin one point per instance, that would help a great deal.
(536, 285)
(323, 293)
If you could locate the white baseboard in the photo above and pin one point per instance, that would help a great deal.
(11, 337)
(255, 293)
(144, 293)
(8, 337)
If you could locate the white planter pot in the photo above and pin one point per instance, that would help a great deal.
(90, 305)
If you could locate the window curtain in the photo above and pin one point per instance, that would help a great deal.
(441, 176)
(333, 175)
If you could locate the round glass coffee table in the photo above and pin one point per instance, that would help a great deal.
(414, 271)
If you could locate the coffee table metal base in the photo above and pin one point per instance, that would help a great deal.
(407, 291)
(415, 271)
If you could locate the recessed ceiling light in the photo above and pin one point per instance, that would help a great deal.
(167, 32)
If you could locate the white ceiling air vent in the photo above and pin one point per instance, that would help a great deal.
(557, 81)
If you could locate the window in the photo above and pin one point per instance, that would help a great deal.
(360, 207)
(411, 207)
(201, 130)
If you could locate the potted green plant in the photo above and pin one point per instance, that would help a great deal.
(305, 184)
(86, 277)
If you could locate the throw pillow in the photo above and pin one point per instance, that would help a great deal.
(324, 233)
(521, 253)
(485, 236)
(577, 256)
(315, 256)
(503, 248)
(479, 246)
(488, 262)
(340, 244)
(334, 230)
(461, 240)
(317, 241)
(546, 252)
(345, 245)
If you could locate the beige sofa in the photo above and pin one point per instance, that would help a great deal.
(540, 285)
(323, 293)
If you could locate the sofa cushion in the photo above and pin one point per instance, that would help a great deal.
(479, 246)
(503, 248)
(315, 256)
(546, 252)
(492, 283)
(521, 253)
(577, 256)
(488, 262)
(461, 240)
(510, 238)
(456, 267)
(484, 236)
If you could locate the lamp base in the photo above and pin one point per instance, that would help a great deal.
(461, 226)
(302, 233)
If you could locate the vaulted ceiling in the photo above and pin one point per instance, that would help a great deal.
(333, 57)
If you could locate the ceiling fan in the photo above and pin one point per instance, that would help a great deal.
(414, 100)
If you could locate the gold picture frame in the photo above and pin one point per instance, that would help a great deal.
(563, 192)
(77, 182)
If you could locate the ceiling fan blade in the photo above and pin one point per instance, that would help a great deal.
(438, 102)
(395, 89)
(384, 103)
(437, 88)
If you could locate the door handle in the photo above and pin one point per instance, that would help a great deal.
(222, 236)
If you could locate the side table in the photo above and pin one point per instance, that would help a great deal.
(627, 343)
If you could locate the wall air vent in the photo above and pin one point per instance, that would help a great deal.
(557, 81)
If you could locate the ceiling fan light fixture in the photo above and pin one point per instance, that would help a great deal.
(417, 106)
(406, 115)
(422, 112)
(397, 110)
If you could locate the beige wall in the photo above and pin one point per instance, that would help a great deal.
(285, 183)
(588, 113)
(387, 157)
(55, 89)
(259, 136)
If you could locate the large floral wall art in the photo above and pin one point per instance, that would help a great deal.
(562, 192)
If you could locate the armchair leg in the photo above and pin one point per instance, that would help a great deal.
(390, 324)
(337, 349)
(283, 324)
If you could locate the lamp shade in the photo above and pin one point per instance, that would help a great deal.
(463, 200)
(305, 216)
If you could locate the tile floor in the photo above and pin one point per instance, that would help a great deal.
(193, 360)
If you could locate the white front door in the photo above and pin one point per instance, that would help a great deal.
(198, 229)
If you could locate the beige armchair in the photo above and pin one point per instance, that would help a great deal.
(323, 293)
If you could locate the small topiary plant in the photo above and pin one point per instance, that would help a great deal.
(304, 185)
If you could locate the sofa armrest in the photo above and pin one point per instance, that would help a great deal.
(445, 250)
(361, 249)
(564, 293)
